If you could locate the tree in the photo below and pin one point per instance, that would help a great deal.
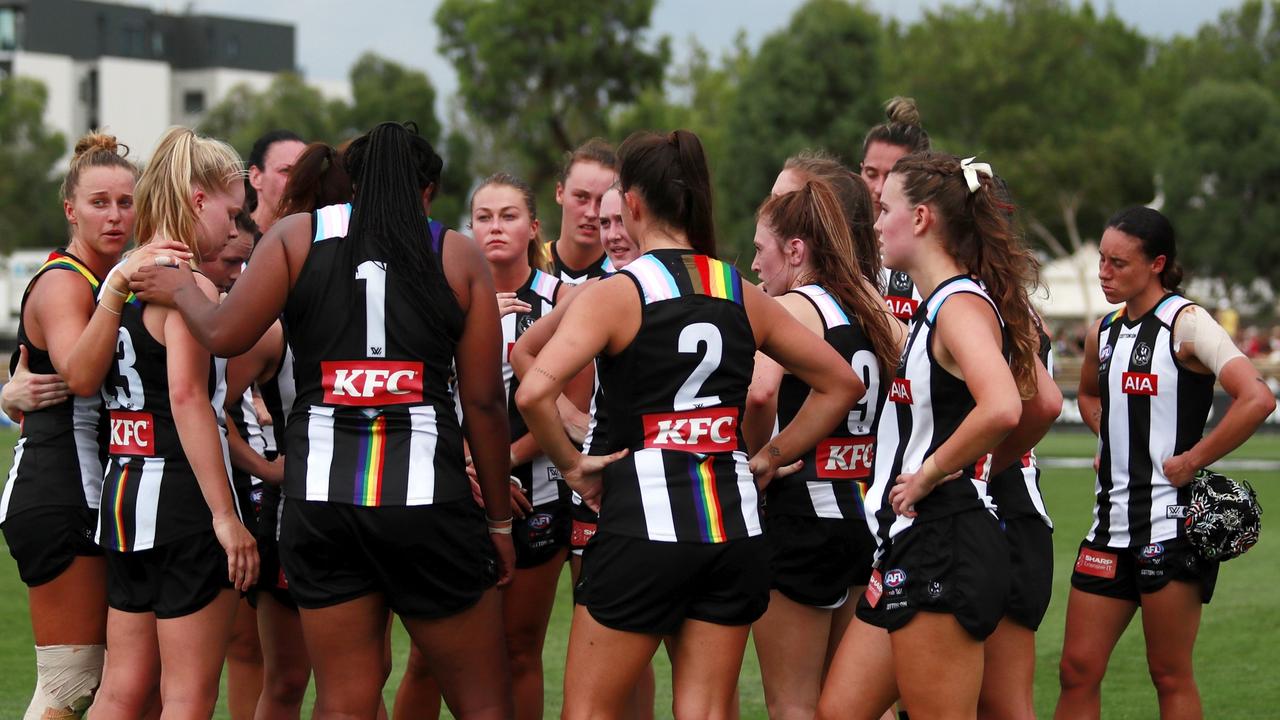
(1046, 92)
(385, 90)
(813, 84)
(30, 208)
(381, 90)
(450, 204)
(1223, 180)
(698, 96)
(288, 103)
(1243, 45)
(543, 76)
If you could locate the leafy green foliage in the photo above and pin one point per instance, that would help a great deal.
(813, 84)
(1223, 180)
(1047, 92)
(385, 90)
(288, 102)
(543, 76)
(30, 208)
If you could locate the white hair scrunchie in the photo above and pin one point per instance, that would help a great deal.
(971, 170)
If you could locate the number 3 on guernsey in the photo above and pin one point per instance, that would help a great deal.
(374, 275)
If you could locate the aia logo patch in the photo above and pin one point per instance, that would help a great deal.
(699, 431)
(844, 458)
(1096, 563)
(900, 391)
(370, 383)
(1132, 383)
(132, 433)
(903, 308)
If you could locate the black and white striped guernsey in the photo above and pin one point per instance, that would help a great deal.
(675, 397)
(925, 404)
(576, 276)
(1016, 489)
(541, 481)
(833, 481)
(374, 421)
(59, 456)
(900, 293)
(1152, 409)
(150, 495)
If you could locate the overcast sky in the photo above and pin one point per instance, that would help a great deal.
(333, 33)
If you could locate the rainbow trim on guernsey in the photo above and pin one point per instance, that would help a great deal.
(712, 277)
(369, 464)
(117, 505)
(70, 263)
(706, 500)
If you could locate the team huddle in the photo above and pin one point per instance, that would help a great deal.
(301, 406)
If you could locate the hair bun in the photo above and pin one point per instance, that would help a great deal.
(902, 110)
(95, 141)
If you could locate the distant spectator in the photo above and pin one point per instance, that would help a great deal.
(1275, 343)
(1251, 342)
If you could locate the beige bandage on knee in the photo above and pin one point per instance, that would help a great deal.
(66, 678)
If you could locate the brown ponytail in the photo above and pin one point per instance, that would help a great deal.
(855, 199)
(317, 180)
(670, 173)
(815, 215)
(979, 233)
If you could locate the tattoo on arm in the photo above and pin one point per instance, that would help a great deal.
(774, 452)
(540, 371)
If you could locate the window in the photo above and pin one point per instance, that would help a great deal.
(193, 102)
(157, 44)
(233, 47)
(10, 29)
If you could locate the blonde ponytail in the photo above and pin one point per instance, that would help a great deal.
(182, 162)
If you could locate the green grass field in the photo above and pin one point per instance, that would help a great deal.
(1236, 656)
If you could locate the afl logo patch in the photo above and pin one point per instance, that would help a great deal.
(1104, 354)
(539, 521)
(1142, 355)
(900, 281)
(1153, 550)
(895, 578)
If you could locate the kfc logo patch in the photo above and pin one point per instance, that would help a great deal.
(1132, 383)
(1096, 563)
(133, 433)
(844, 458)
(369, 383)
(699, 431)
(900, 391)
